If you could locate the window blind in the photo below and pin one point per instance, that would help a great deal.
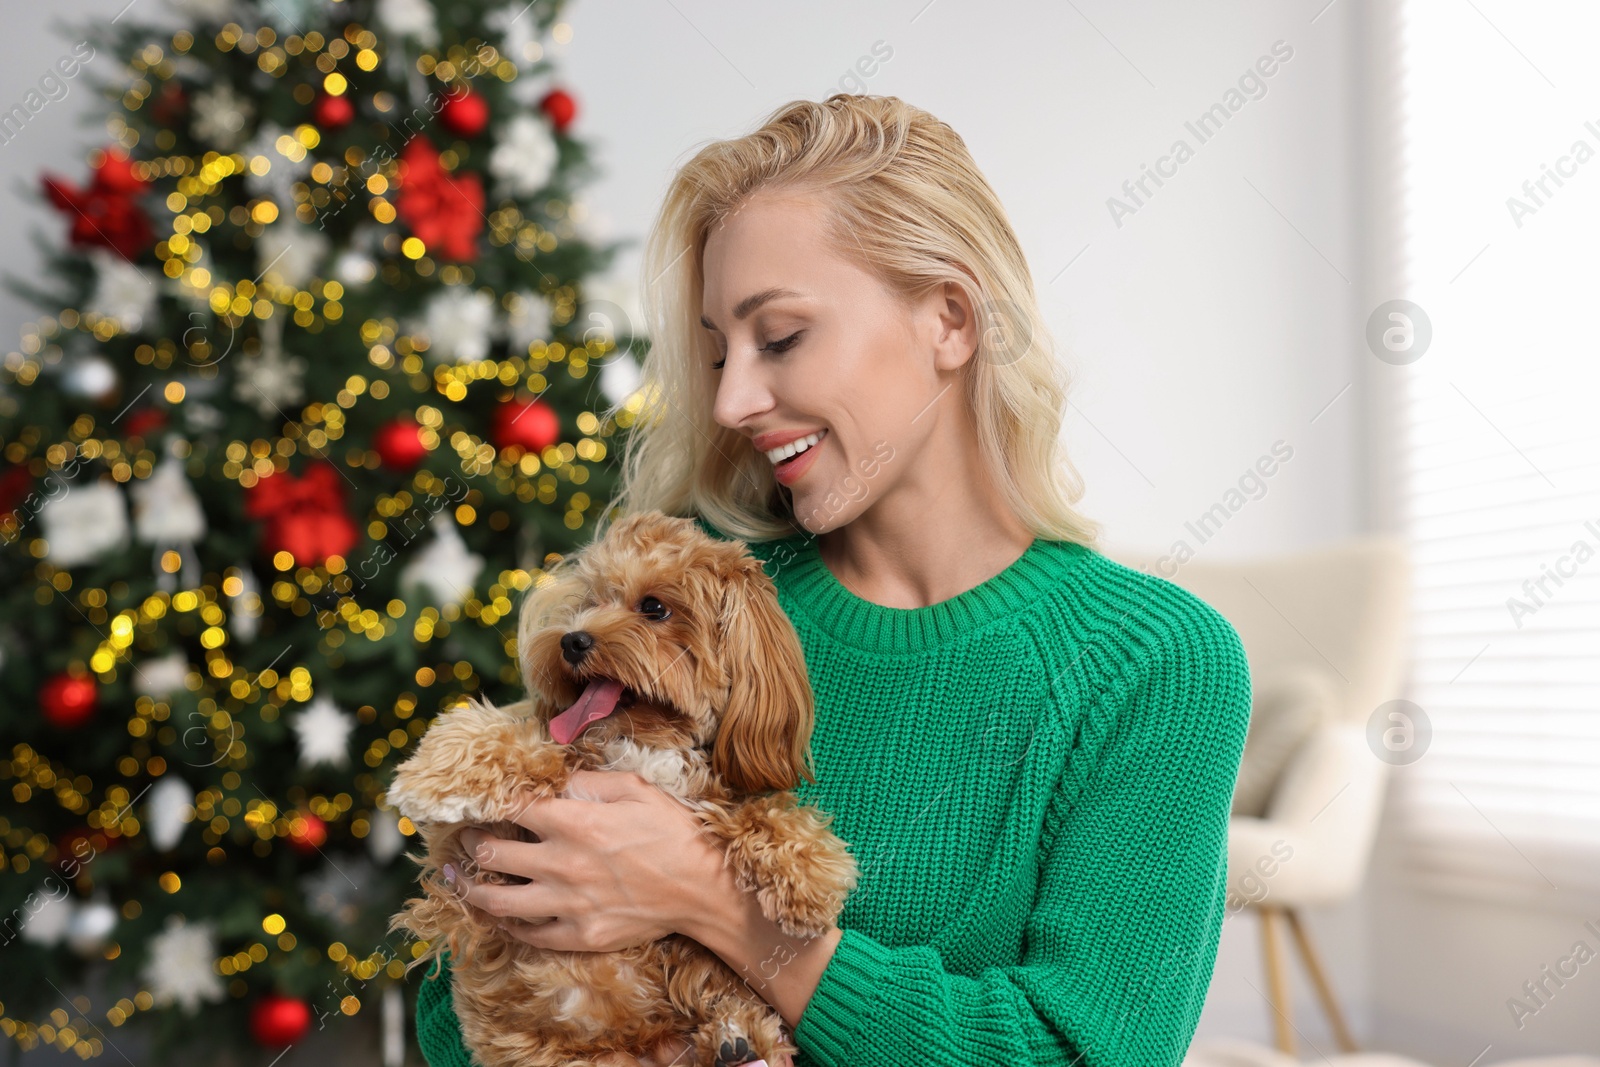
(1498, 447)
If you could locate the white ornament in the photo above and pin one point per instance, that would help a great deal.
(201, 416)
(84, 523)
(193, 287)
(48, 918)
(519, 33)
(525, 155)
(457, 322)
(161, 676)
(245, 620)
(91, 926)
(528, 321)
(123, 293)
(169, 809)
(289, 253)
(409, 18)
(277, 182)
(385, 839)
(91, 377)
(335, 892)
(619, 376)
(393, 1025)
(444, 570)
(165, 508)
(324, 733)
(181, 966)
(355, 268)
(220, 116)
(270, 380)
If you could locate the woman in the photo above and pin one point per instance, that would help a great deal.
(1030, 748)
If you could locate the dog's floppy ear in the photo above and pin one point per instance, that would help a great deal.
(764, 739)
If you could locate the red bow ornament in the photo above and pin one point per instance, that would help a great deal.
(106, 213)
(444, 211)
(304, 516)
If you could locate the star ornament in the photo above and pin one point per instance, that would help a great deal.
(324, 733)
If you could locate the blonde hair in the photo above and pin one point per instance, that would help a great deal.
(906, 202)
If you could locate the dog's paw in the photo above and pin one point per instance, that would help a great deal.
(733, 1052)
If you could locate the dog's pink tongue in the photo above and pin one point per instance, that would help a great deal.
(599, 699)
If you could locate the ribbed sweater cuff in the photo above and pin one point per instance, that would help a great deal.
(844, 1000)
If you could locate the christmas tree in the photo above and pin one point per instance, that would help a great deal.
(322, 381)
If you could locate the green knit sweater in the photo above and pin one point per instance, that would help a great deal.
(1034, 777)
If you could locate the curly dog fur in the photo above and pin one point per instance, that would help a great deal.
(717, 711)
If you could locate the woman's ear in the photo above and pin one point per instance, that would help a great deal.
(764, 736)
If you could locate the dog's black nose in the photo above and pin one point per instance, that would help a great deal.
(576, 645)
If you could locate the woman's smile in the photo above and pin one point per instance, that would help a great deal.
(794, 459)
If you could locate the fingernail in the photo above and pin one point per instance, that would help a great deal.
(450, 873)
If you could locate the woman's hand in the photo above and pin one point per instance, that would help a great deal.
(621, 867)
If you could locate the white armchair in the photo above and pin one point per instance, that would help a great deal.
(1325, 634)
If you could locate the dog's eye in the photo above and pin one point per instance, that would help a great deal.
(651, 608)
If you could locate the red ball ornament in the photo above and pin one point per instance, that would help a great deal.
(277, 1019)
(465, 114)
(532, 425)
(143, 421)
(333, 112)
(307, 832)
(560, 107)
(68, 700)
(399, 443)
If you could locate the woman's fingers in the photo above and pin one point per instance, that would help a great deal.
(499, 854)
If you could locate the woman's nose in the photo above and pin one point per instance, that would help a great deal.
(741, 392)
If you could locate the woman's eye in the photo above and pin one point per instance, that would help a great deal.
(653, 609)
(778, 347)
(784, 344)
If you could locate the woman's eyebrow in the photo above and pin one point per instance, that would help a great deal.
(750, 303)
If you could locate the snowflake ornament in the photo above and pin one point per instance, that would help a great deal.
(445, 570)
(336, 892)
(324, 733)
(288, 253)
(409, 18)
(220, 116)
(123, 293)
(458, 322)
(270, 380)
(525, 156)
(274, 176)
(527, 321)
(181, 965)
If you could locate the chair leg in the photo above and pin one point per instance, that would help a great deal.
(1319, 978)
(1277, 980)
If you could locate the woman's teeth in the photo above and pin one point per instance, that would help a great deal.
(794, 448)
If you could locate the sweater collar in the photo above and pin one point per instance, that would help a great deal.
(803, 578)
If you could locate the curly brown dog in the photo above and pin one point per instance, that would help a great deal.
(657, 650)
